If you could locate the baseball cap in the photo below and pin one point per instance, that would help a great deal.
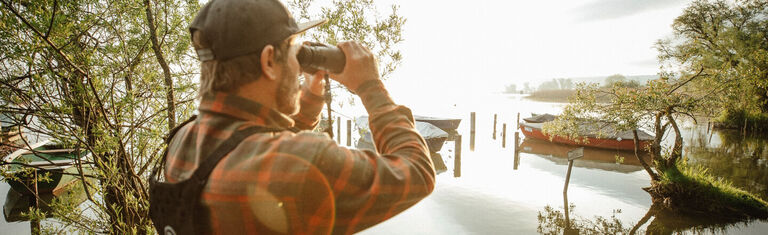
(234, 28)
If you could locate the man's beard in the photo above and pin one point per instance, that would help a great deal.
(287, 92)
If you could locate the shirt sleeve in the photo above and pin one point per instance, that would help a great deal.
(370, 187)
(309, 112)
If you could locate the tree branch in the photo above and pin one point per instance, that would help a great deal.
(53, 16)
(686, 81)
(163, 64)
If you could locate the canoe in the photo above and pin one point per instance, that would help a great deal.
(434, 136)
(606, 136)
(49, 159)
(446, 124)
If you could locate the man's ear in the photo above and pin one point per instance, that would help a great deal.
(268, 65)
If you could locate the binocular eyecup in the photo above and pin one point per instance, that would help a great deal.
(315, 57)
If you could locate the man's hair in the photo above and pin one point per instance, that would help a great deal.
(230, 74)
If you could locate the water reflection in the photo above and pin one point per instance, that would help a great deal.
(553, 221)
(484, 195)
(594, 158)
(742, 160)
(732, 155)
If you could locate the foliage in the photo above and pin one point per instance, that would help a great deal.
(621, 107)
(662, 221)
(356, 20)
(618, 78)
(553, 221)
(108, 76)
(752, 121)
(83, 74)
(728, 40)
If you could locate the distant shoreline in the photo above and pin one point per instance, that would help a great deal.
(551, 96)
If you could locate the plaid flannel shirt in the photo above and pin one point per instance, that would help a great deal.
(303, 183)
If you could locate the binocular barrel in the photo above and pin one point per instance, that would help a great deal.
(321, 57)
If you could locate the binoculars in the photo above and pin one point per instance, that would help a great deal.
(315, 57)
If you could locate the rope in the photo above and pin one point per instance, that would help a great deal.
(328, 100)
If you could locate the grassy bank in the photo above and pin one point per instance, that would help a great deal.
(692, 190)
(559, 96)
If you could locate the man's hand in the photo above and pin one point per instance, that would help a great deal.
(315, 83)
(360, 67)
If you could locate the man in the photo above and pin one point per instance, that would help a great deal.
(280, 181)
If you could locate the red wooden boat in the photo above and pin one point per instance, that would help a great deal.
(604, 137)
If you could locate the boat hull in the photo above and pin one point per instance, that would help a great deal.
(60, 179)
(434, 144)
(536, 133)
(446, 124)
(52, 166)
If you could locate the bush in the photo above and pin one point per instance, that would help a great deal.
(737, 118)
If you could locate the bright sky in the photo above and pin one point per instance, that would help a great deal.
(482, 45)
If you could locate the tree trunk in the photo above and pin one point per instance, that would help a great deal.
(677, 149)
(656, 144)
(654, 176)
(163, 64)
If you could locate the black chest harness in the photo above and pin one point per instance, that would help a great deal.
(176, 208)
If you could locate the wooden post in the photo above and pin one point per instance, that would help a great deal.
(35, 224)
(472, 132)
(338, 130)
(34, 182)
(744, 130)
(568, 176)
(518, 121)
(517, 150)
(567, 216)
(504, 135)
(517, 160)
(494, 126)
(349, 133)
(457, 157)
(572, 155)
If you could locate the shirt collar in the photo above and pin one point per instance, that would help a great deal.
(245, 109)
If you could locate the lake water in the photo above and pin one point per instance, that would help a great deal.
(489, 191)
(492, 196)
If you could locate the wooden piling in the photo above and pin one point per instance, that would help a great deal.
(494, 126)
(517, 149)
(349, 133)
(457, 157)
(34, 224)
(338, 130)
(504, 135)
(517, 160)
(472, 132)
(568, 176)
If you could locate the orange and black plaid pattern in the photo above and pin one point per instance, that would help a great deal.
(303, 183)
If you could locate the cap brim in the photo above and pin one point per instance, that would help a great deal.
(304, 26)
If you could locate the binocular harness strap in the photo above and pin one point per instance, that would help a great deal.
(176, 208)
